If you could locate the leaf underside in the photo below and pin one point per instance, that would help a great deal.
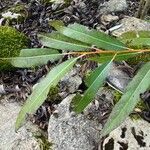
(128, 101)
(59, 41)
(96, 80)
(41, 90)
(92, 37)
(35, 57)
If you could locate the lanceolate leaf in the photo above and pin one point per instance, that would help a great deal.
(35, 57)
(97, 79)
(106, 57)
(93, 37)
(128, 101)
(40, 92)
(59, 41)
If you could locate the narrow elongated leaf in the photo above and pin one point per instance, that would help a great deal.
(107, 57)
(40, 92)
(99, 39)
(35, 57)
(59, 41)
(96, 81)
(128, 101)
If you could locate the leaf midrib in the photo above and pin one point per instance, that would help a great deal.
(94, 82)
(64, 42)
(96, 38)
(51, 82)
(29, 57)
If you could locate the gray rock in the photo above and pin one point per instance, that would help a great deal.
(106, 19)
(131, 24)
(9, 139)
(117, 78)
(131, 135)
(10, 15)
(71, 82)
(70, 132)
(114, 6)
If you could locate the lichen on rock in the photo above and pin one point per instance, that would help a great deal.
(11, 42)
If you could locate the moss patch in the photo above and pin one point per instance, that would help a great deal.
(11, 42)
(43, 141)
(53, 95)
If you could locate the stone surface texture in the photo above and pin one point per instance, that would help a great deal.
(131, 24)
(131, 135)
(11, 140)
(118, 78)
(114, 6)
(71, 81)
(68, 131)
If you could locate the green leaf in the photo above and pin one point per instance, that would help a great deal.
(59, 41)
(37, 52)
(34, 57)
(41, 90)
(136, 39)
(128, 101)
(107, 57)
(93, 37)
(96, 80)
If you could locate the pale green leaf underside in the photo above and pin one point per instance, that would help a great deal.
(97, 77)
(93, 37)
(128, 101)
(58, 41)
(37, 52)
(41, 90)
(35, 57)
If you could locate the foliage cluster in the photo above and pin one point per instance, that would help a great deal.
(78, 42)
